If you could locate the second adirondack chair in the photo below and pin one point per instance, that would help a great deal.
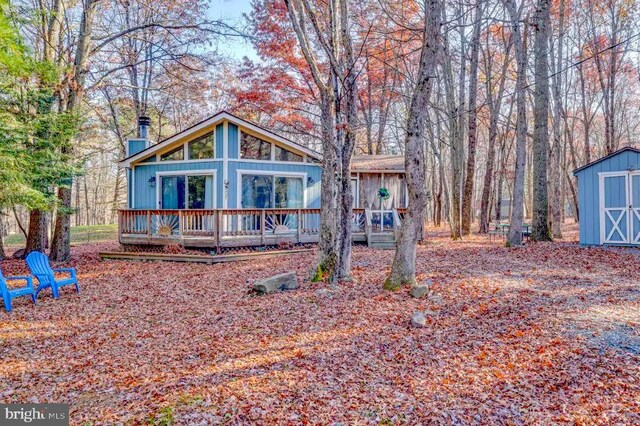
(9, 294)
(38, 263)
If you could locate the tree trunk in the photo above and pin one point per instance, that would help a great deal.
(61, 245)
(540, 225)
(467, 197)
(517, 214)
(36, 239)
(555, 175)
(403, 269)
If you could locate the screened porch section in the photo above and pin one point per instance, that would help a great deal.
(368, 187)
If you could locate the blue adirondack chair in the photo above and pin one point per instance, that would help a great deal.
(38, 263)
(9, 294)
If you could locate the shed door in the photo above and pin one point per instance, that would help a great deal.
(634, 206)
(615, 211)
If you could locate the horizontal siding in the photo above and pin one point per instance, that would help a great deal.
(313, 171)
(145, 195)
(589, 193)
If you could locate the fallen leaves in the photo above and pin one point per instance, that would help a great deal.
(517, 340)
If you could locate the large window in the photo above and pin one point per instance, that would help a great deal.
(267, 191)
(254, 148)
(284, 155)
(201, 148)
(173, 155)
(186, 191)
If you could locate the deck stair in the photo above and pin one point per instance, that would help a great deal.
(385, 241)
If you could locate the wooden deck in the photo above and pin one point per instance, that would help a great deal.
(223, 228)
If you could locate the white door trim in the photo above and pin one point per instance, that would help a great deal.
(621, 213)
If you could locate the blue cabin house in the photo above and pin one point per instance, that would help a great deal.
(228, 182)
(609, 199)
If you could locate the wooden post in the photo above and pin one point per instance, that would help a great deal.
(120, 214)
(149, 225)
(262, 226)
(180, 233)
(219, 214)
(299, 225)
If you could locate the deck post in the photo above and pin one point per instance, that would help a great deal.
(219, 215)
(149, 225)
(299, 226)
(180, 226)
(262, 226)
(120, 214)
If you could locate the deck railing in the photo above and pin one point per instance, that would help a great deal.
(218, 227)
(231, 227)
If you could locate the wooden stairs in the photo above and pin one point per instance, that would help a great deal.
(385, 241)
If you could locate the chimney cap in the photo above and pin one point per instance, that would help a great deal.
(143, 120)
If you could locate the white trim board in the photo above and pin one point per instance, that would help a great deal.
(212, 121)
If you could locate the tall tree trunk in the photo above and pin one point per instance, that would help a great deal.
(403, 269)
(540, 225)
(36, 239)
(517, 214)
(555, 174)
(343, 269)
(467, 197)
(2, 230)
(61, 245)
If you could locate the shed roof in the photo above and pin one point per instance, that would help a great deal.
(382, 163)
(606, 157)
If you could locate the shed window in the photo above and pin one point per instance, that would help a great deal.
(254, 148)
(173, 155)
(201, 148)
(285, 155)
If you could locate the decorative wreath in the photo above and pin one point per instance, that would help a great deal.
(383, 194)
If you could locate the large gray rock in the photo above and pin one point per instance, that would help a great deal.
(418, 319)
(420, 291)
(281, 282)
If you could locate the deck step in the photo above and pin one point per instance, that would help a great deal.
(387, 245)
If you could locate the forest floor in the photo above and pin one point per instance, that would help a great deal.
(548, 333)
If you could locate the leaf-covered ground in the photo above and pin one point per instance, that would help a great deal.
(542, 334)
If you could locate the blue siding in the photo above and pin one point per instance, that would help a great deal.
(219, 141)
(136, 145)
(313, 171)
(145, 195)
(233, 149)
(589, 193)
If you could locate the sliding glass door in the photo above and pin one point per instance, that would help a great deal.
(186, 191)
(271, 191)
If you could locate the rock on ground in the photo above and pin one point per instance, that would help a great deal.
(420, 291)
(281, 282)
(418, 319)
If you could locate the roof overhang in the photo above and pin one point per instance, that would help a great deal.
(606, 157)
(211, 122)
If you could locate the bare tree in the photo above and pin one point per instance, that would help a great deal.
(403, 270)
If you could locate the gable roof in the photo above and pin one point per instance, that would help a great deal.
(606, 157)
(214, 119)
(377, 163)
